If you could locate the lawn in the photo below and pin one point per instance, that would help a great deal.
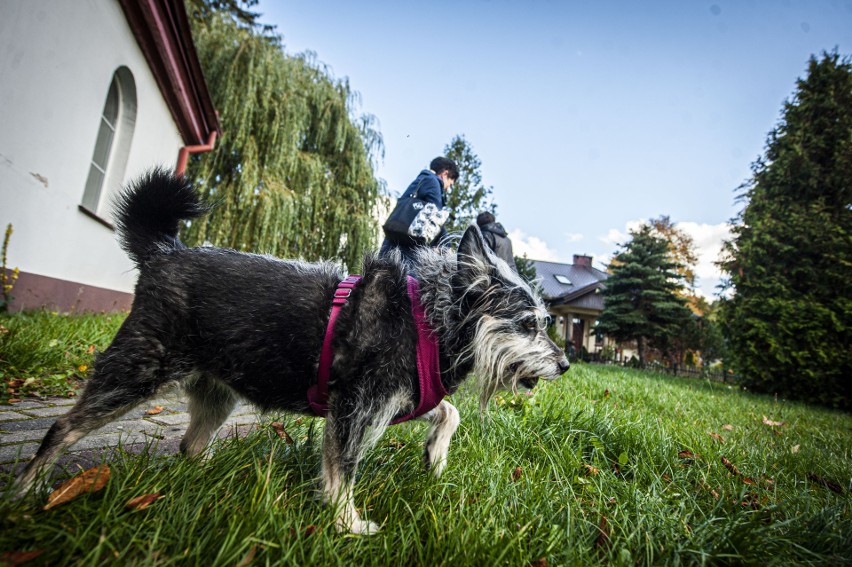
(605, 465)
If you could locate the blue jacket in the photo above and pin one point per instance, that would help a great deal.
(431, 189)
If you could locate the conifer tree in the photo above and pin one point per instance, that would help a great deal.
(293, 173)
(641, 297)
(788, 321)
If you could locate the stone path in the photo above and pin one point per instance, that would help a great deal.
(24, 424)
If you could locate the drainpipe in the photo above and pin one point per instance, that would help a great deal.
(183, 154)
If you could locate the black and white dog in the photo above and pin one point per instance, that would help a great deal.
(227, 325)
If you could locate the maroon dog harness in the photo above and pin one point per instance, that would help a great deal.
(428, 367)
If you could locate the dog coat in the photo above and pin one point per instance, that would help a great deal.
(432, 391)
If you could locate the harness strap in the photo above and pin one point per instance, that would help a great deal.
(318, 393)
(432, 390)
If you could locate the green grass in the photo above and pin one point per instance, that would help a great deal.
(517, 488)
(43, 353)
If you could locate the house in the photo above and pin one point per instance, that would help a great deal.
(92, 95)
(572, 295)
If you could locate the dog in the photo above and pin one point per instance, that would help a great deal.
(227, 325)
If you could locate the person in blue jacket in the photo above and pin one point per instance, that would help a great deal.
(432, 186)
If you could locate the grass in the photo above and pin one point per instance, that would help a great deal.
(43, 353)
(590, 469)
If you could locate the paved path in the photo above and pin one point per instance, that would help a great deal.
(23, 425)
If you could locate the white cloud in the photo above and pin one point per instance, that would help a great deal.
(573, 237)
(534, 247)
(707, 238)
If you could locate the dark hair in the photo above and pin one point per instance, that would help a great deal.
(485, 218)
(441, 163)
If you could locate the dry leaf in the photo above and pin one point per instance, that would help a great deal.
(771, 423)
(606, 393)
(730, 466)
(91, 349)
(749, 480)
(728, 427)
(310, 530)
(603, 535)
(717, 437)
(13, 400)
(91, 480)
(591, 470)
(540, 562)
(687, 454)
(249, 557)
(142, 502)
(154, 410)
(834, 487)
(516, 474)
(279, 429)
(794, 449)
(15, 558)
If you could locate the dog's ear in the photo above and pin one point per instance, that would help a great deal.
(474, 264)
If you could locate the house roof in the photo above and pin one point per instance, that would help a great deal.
(161, 28)
(574, 284)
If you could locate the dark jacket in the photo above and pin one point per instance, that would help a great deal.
(497, 239)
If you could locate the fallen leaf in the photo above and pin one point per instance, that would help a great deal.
(730, 466)
(728, 427)
(771, 423)
(309, 531)
(15, 558)
(591, 470)
(667, 477)
(832, 486)
(91, 349)
(717, 437)
(606, 393)
(687, 454)
(516, 474)
(748, 480)
(603, 533)
(154, 410)
(13, 400)
(794, 449)
(142, 502)
(248, 558)
(540, 562)
(91, 480)
(279, 429)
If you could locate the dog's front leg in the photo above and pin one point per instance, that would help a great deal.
(443, 420)
(341, 451)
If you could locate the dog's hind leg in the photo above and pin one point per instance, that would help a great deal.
(125, 375)
(443, 420)
(210, 404)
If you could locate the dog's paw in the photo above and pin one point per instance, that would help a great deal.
(359, 527)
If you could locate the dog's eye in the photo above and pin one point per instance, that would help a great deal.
(530, 326)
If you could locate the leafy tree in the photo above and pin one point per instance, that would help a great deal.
(468, 197)
(681, 248)
(788, 321)
(293, 174)
(641, 297)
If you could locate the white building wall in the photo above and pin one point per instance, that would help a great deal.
(57, 59)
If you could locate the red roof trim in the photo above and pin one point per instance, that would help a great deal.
(161, 28)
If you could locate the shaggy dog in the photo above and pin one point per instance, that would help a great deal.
(226, 325)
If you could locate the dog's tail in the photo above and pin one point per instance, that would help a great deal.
(148, 213)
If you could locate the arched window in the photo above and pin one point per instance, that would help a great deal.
(109, 160)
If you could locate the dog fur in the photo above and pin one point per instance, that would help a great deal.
(226, 325)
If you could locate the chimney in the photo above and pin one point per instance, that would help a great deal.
(581, 260)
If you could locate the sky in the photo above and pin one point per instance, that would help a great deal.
(589, 117)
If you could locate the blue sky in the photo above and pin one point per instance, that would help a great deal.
(589, 117)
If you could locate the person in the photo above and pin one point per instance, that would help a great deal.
(496, 237)
(432, 186)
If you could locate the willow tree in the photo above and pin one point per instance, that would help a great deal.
(293, 173)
